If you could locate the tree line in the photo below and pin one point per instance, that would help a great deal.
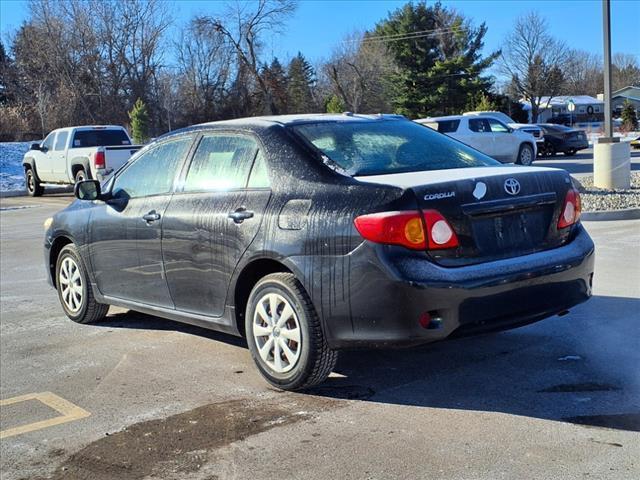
(90, 61)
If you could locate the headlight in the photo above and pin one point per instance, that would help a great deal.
(47, 223)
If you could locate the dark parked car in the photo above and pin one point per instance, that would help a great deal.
(311, 234)
(558, 138)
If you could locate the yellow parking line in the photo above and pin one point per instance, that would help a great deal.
(68, 411)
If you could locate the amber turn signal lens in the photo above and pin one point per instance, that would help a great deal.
(414, 232)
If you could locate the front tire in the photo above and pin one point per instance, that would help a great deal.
(284, 334)
(525, 155)
(74, 288)
(33, 184)
(571, 152)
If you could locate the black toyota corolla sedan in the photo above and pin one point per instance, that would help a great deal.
(309, 234)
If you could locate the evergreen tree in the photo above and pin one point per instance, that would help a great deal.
(629, 117)
(438, 72)
(139, 117)
(301, 82)
(276, 81)
(334, 105)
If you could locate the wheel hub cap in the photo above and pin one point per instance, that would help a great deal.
(276, 331)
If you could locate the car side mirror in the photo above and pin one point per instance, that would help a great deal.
(34, 146)
(87, 190)
(511, 130)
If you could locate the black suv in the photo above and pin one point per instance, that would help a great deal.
(314, 233)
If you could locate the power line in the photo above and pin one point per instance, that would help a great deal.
(406, 36)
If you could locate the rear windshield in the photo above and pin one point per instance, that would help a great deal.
(99, 138)
(389, 146)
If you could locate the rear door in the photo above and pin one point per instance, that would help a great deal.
(212, 221)
(125, 231)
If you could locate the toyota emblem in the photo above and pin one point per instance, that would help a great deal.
(512, 186)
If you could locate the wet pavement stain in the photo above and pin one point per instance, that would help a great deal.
(182, 442)
(622, 421)
(580, 387)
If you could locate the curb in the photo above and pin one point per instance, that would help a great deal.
(13, 193)
(604, 215)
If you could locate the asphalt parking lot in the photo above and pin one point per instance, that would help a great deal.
(141, 397)
(581, 163)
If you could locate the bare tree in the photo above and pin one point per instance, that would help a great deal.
(356, 73)
(204, 66)
(244, 27)
(533, 60)
(583, 73)
(625, 71)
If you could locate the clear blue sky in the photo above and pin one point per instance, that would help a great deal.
(319, 24)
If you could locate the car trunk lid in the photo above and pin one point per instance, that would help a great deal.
(496, 212)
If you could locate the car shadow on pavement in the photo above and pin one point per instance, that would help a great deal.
(582, 368)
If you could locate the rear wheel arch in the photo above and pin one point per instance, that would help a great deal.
(56, 247)
(78, 164)
(250, 275)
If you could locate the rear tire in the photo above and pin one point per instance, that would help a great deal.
(525, 155)
(33, 184)
(74, 288)
(81, 176)
(550, 150)
(284, 334)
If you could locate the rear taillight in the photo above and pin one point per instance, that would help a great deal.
(408, 229)
(571, 209)
(98, 160)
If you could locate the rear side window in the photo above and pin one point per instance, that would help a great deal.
(259, 177)
(99, 138)
(221, 162)
(61, 141)
(153, 172)
(448, 126)
(388, 146)
(479, 125)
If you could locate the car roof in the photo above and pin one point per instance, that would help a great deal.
(440, 119)
(304, 118)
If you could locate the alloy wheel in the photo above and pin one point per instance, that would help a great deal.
(70, 281)
(276, 331)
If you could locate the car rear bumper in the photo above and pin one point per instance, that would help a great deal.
(391, 290)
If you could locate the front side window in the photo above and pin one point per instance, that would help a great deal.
(221, 162)
(61, 140)
(497, 127)
(388, 146)
(153, 172)
(49, 141)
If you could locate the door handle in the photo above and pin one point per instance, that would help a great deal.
(240, 215)
(152, 216)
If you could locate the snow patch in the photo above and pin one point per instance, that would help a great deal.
(11, 173)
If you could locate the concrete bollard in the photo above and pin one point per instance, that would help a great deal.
(612, 165)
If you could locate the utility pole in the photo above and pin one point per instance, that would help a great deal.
(611, 158)
(606, 30)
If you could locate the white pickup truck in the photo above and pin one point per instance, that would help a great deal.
(70, 155)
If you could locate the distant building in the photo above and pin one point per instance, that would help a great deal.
(588, 113)
(620, 96)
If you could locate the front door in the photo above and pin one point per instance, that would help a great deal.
(480, 136)
(209, 225)
(58, 156)
(43, 158)
(505, 144)
(126, 231)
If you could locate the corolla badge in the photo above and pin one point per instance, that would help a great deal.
(512, 186)
(480, 191)
(439, 195)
